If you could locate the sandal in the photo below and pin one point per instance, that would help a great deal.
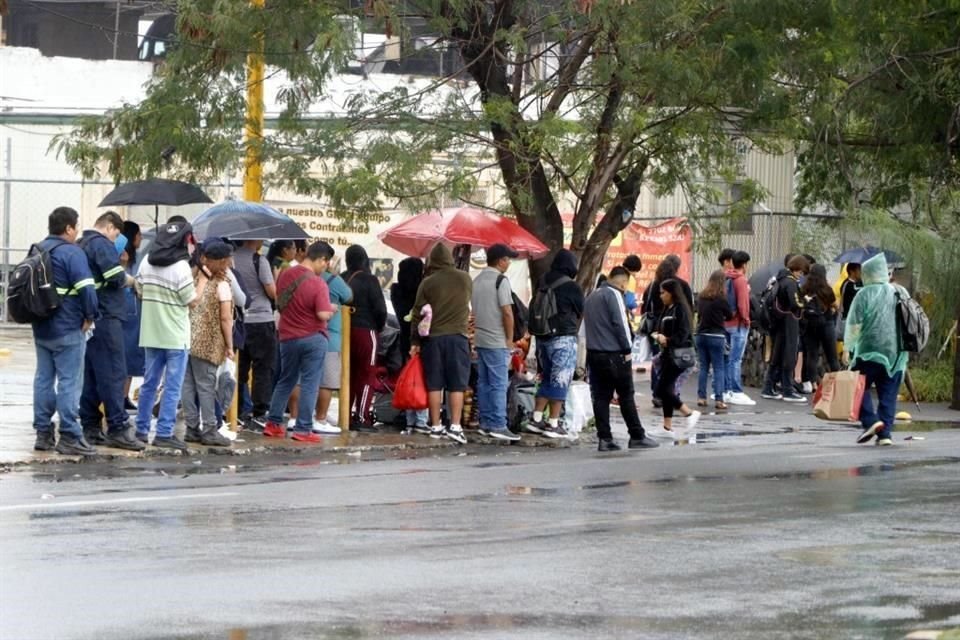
(701, 402)
(721, 406)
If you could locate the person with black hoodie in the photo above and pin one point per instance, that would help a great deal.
(368, 319)
(403, 293)
(653, 308)
(557, 353)
(168, 292)
(787, 312)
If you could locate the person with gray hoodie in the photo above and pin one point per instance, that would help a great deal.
(609, 349)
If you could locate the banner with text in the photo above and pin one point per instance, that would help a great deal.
(652, 244)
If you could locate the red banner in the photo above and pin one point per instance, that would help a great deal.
(652, 244)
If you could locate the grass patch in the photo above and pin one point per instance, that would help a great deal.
(933, 381)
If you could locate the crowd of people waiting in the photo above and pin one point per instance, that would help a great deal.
(180, 318)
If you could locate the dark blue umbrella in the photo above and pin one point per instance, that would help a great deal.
(860, 255)
(241, 220)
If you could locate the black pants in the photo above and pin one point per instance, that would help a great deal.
(104, 374)
(783, 360)
(609, 373)
(666, 385)
(819, 334)
(260, 352)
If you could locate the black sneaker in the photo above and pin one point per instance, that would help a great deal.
(643, 443)
(363, 427)
(421, 428)
(129, 406)
(73, 446)
(124, 439)
(534, 427)
(192, 435)
(94, 435)
(502, 434)
(46, 441)
(143, 437)
(794, 397)
(256, 424)
(456, 435)
(557, 432)
(769, 394)
(172, 442)
(608, 445)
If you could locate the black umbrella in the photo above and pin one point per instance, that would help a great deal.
(241, 220)
(156, 191)
(760, 277)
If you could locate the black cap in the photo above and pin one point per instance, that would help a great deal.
(498, 252)
(217, 249)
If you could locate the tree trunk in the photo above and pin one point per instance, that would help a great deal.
(591, 258)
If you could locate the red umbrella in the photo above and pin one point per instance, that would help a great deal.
(418, 235)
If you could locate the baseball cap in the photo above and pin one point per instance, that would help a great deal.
(499, 251)
(217, 249)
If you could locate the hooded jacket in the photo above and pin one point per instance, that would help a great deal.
(871, 332)
(569, 295)
(741, 289)
(403, 293)
(448, 292)
(171, 245)
(370, 309)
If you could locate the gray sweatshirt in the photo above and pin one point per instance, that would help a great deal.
(605, 321)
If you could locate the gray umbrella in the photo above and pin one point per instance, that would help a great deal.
(760, 277)
(242, 220)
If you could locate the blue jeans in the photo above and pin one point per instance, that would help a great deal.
(302, 362)
(417, 418)
(557, 358)
(710, 350)
(493, 379)
(738, 346)
(887, 389)
(60, 362)
(169, 365)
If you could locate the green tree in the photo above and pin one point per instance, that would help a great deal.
(883, 129)
(594, 100)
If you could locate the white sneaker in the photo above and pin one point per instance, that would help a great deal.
(291, 424)
(693, 419)
(456, 434)
(808, 387)
(728, 397)
(325, 428)
(742, 399)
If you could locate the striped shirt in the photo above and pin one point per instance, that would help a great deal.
(167, 293)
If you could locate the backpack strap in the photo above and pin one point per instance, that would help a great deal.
(286, 297)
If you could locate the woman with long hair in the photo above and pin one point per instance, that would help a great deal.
(819, 330)
(280, 255)
(135, 358)
(674, 331)
(713, 310)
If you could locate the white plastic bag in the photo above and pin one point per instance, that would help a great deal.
(578, 408)
(642, 353)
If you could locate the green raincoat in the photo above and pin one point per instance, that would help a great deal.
(871, 332)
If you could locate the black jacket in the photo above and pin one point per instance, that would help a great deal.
(569, 295)
(403, 294)
(370, 309)
(652, 304)
(788, 295)
(712, 313)
(675, 325)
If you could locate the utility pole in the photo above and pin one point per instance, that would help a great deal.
(252, 166)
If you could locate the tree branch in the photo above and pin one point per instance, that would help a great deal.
(568, 73)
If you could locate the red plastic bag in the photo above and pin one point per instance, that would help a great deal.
(411, 391)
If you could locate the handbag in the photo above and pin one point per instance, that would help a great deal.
(683, 357)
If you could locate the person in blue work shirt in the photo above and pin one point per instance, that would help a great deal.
(60, 341)
(105, 366)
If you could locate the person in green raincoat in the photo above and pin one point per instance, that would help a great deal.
(872, 342)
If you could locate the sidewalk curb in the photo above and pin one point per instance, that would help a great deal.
(259, 445)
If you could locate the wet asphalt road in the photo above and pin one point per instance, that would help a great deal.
(800, 535)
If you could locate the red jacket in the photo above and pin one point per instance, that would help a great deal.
(741, 288)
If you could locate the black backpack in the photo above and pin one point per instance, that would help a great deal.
(32, 294)
(543, 309)
(767, 313)
(913, 325)
(521, 315)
